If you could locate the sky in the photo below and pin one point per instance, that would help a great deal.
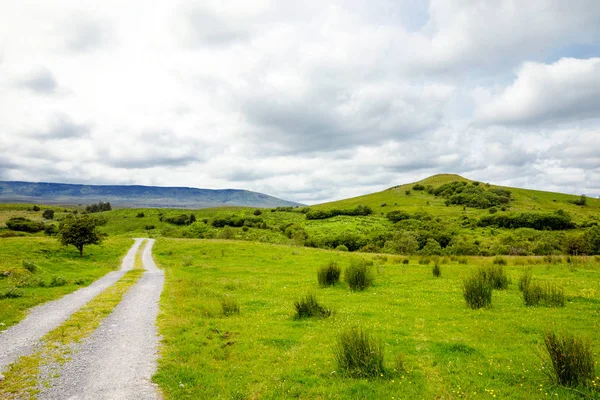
(309, 101)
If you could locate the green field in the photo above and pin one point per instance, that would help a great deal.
(449, 350)
(435, 346)
(59, 271)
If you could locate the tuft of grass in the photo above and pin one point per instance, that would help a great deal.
(548, 295)
(495, 276)
(424, 261)
(437, 271)
(57, 281)
(477, 291)
(329, 275)
(229, 306)
(358, 276)
(498, 260)
(359, 354)
(11, 292)
(29, 266)
(571, 359)
(525, 280)
(309, 306)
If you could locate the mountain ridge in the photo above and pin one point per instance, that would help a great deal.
(134, 195)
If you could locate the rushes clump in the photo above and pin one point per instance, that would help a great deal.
(477, 291)
(309, 306)
(571, 359)
(29, 266)
(524, 281)
(495, 276)
(11, 292)
(358, 276)
(499, 261)
(229, 306)
(548, 295)
(329, 275)
(437, 271)
(359, 354)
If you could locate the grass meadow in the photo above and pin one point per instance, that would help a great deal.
(434, 345)
(58, 270)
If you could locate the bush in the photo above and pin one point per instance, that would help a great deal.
(309, 306)
(11, 292)
(57, 281)
(437, 271)
(477, 291)
(495, 276)
(24, 225)
(499, 260)
(329, 275)
(257, 212)
(405, 261)
(48, 214)
(140, 215)
(229, 306)
(29, 266)
(571, 359)
(424, 261)
(341, 247)
(358, 276)
(548, 295)
(359, 354)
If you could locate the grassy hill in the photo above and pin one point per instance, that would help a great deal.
(396, 198)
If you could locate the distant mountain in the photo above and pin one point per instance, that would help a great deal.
(134, 196)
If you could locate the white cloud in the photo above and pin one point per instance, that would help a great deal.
(300, 100)
(568, 89)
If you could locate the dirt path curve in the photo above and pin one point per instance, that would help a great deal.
(20, 339)
(118, 360)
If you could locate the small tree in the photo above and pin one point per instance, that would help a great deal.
(48, 214)
(79, 231)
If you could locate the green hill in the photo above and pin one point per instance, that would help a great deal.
(397, 198)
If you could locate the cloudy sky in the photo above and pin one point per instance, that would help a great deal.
(305, 100)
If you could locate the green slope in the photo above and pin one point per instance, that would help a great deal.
(395, 198)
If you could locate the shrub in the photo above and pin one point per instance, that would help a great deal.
(548, 295)
(437, 271)
(48, 214)
(359, 354)
(424, 261)
(462, 260)
(358, 276)
(499, 260)
(229, 306)
(24, 225)
(329, 275)
(140, 215)
(477, 291)
(29, 266)
(571, 359)
(495, 276)
(11, 292)
(418, 186)
(149, 227)
(57, 281)
(405, 261)
(309, 306)
(524, 281)
(341, 247)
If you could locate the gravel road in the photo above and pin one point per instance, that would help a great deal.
(20, 339)
(118, 360)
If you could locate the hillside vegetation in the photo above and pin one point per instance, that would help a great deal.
(441, 215)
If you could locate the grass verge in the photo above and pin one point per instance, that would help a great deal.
(21, 379)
